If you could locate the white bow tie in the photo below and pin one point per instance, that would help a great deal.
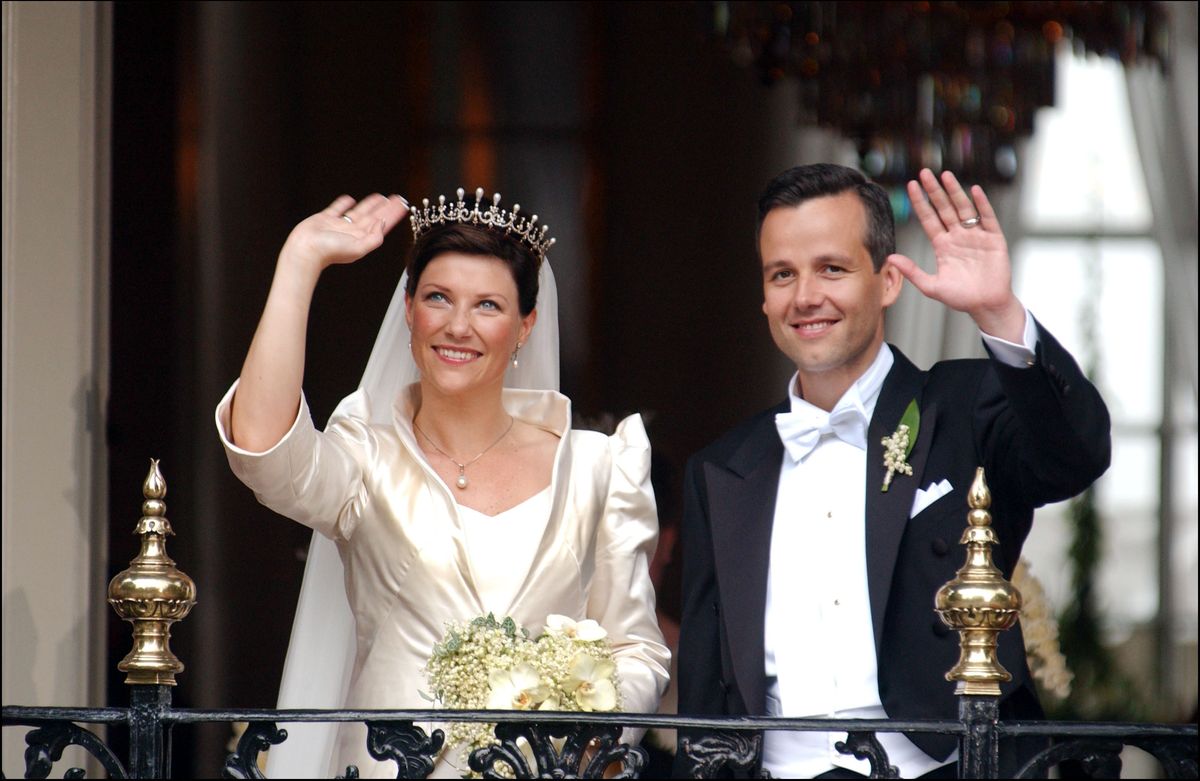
(801, 432)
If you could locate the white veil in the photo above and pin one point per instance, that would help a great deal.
(320, 657)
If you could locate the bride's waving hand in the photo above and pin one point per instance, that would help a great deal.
(268, 392)
(343, 231)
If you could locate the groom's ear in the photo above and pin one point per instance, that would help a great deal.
(893, 283)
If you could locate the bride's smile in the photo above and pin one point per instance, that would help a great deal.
(465, 322)
(451, 355)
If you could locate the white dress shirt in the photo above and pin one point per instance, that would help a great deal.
(818, 639)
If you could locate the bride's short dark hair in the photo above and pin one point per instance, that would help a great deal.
(477, 240)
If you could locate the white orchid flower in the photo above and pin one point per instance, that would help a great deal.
(591, 681)
(587, 630)
(517, 689)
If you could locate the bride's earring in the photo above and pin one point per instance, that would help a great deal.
(514, 355)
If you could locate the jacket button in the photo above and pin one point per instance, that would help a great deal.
(716, 608)
(940, 629)
(940, 548)
(724, 686)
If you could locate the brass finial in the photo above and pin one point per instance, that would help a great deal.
(979, 603)
(152, 593)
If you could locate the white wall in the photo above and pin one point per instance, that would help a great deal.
(55, 280)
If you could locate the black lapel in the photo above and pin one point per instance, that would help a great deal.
(887, 513)
(741, 497)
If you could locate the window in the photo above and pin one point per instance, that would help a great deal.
(1086, 242)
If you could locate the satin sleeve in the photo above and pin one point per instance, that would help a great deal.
(622, 596)
(313, 477)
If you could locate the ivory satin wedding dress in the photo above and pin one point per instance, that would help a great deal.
(406, 560)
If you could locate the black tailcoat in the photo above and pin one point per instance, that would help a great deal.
(1040, 432)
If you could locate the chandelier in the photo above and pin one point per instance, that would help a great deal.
(930, 84)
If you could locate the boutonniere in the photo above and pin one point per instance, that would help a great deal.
(897, 447)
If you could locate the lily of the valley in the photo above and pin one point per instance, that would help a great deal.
(517, 689)
(895, 455)
(586, 630)
(900, 444)
(591, 681)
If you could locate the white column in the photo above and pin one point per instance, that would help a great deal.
(55, 188)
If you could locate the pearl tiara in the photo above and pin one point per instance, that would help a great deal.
(511, 223)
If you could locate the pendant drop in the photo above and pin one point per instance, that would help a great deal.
(461, 482)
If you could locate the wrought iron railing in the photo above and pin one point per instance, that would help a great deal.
(153, 594)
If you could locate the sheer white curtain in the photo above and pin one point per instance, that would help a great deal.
(1164, 123)
(1163, 109)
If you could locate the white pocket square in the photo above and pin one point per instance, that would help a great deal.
(927, 496)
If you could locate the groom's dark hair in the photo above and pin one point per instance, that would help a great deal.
(804, 182)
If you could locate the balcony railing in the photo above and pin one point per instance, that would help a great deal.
(978, 603)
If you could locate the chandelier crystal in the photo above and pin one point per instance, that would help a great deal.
(930, 84)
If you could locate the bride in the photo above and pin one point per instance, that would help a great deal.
(449, 485)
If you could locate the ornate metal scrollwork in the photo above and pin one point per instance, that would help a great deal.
(1099, 758)
(47, 743)
(258, 737)
(724, 752)
(413, 751)
(586, 752)
(864, 745)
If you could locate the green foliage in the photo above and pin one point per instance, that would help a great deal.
(1101, 690)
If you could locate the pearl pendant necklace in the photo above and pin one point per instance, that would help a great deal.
(462, 481)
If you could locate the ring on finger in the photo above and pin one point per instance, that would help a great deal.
(346, 217)
(970, 222)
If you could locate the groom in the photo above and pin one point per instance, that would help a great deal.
(809, 568)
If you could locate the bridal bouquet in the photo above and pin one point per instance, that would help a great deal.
(486, 663)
